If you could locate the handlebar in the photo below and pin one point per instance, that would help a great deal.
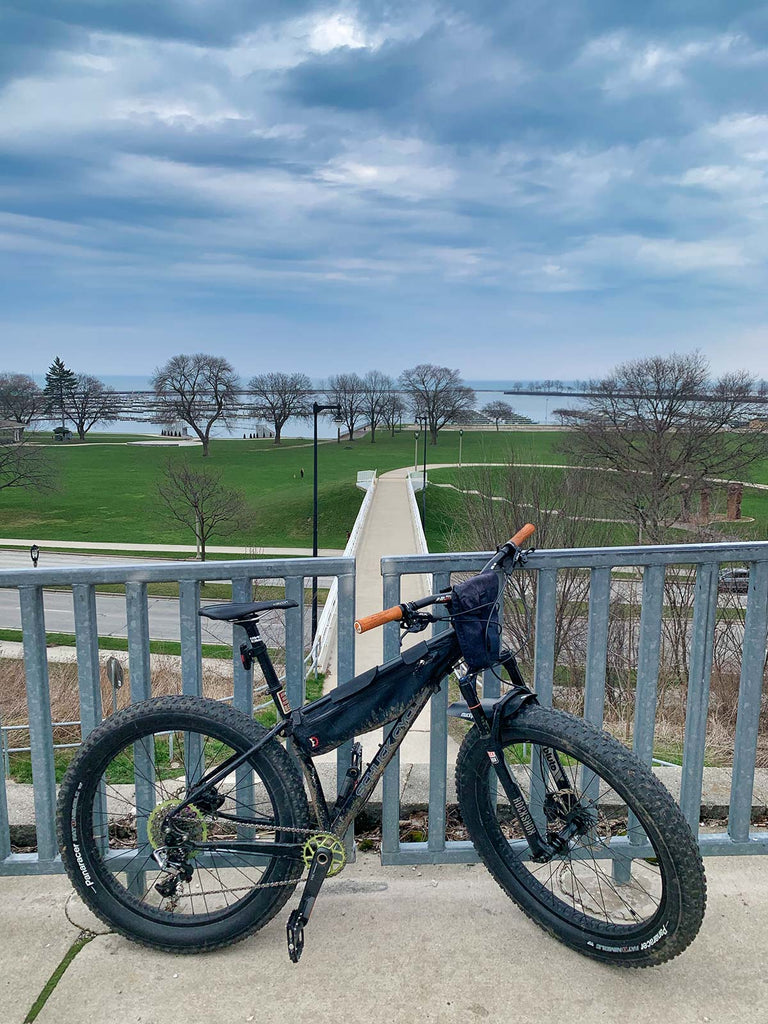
(396, 613)
(522, 535)
(378, 619)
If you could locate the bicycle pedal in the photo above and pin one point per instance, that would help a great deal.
(295, 933)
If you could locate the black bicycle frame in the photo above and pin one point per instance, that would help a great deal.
(445, 651)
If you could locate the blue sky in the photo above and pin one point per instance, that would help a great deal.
(525, 189)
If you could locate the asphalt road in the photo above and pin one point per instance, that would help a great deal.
(13, 558)
(112, 618)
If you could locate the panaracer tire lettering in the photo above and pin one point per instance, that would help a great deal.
(100, 888)
(674, 922)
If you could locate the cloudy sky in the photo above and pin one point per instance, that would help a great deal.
(514, 189)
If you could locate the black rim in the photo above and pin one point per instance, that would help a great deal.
(135, 784)
(579, 886)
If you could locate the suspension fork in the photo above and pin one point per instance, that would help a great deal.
(540, 849)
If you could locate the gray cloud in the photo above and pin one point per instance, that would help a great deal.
(412, 172)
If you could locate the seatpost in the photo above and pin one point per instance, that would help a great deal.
(258, 649)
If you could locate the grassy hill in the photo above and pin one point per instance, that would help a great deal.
(107, 491)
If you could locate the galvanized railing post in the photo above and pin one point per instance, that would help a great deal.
(390, 799)
(5, 828)
(438, 743)
(648, 656)
(40, 728)
(748, 715)
(294, 642)
(700, 668)
(190, 630)
(345, 670)
(89, 683)
(137, 613)
(544, 680)
(242, 591)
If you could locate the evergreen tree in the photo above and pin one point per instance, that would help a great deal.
(59, 382)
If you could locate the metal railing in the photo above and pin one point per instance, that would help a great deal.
(326, 627)
(83, 582)
(599, 562)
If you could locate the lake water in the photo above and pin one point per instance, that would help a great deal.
(539, 409)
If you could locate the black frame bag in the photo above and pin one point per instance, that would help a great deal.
(369, 701)
(475, 613)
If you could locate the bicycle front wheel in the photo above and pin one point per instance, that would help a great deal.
(133, 856)
(626, 884)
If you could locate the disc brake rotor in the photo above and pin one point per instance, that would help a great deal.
(330, 842)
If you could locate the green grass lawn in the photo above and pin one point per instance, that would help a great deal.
(108, 492)
(446, 506)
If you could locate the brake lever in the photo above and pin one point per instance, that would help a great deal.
(416, 622)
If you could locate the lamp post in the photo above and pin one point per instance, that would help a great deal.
(316, 410)
(424, 481)
(461, 435)
(415, 450)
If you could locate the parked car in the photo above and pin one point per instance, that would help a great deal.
(735, 581)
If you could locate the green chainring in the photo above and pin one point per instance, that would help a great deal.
(330, 842)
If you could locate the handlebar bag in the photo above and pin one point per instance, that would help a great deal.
(370, 700)
(475, 616)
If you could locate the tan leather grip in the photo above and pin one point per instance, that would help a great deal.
(372, 621)
(522, 535)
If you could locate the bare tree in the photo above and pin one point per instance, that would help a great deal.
(278, 396)
(347, 391)
(499, 412)
(495, 502)
(20, 398)
(392, 411)
(24, 465)
(199, 390)
(199, 499)
(664, 427)
(377, 388)
(437, 393)
(90, 402)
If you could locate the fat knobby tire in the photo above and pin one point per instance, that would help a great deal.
(679, 917)
(86, 868)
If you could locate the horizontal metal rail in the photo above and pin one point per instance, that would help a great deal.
(706, 560)
(83, 581)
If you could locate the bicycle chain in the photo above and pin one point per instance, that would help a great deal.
(268, 885)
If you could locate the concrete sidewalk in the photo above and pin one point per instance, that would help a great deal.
(402, 945)
(187, 549)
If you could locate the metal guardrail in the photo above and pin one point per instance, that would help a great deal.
(739, 838)
(83, 582)
(326, 627)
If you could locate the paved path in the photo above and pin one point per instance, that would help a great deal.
(389, 530)
(431, 944)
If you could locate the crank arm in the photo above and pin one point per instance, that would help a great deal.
(321, 862)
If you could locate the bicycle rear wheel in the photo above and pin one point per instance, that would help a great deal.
(121, 792)
(628, 886)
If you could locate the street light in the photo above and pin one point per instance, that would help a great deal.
(461, 435)
(316, 410)
(424, 481)
(34, 554)
(415, 450)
